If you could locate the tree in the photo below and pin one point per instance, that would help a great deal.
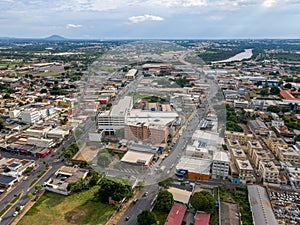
(264, 91)
(297, 137)
(288, 86)
(104, 159)
(31, 196)
(112, 189)
(274, 90)
(44, 91)
(203, 201)
(146, 217)
(164, 201)
(2, 124)
(273, 108)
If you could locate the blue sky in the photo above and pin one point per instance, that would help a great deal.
(118, 19)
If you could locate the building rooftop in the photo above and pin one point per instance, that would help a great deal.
(221, 156)
(176, 215)
(260, 204)
(202, 218)
(196, 165)
(243, 164)
(230, 213)
(143, 158)
(123, 106)
(180, 195)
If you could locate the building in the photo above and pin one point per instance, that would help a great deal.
(288, 154)
(241, 137)
(30, 116)
(57, 133)
(274, 142)
(202, 218)
(63, 177)
(230, 213)
(196, 168)
(176, 215)
(40, 142)
(116, 117)
(220, 165)
(7, 181)
(180, 195)
(260, 155)
(269, 172)
(258, 127)
(131, 74)
(252, 146)
(245, 171)
(138, 158)
(233, 144)
(238, 154)
(144, 132)
(261, 207)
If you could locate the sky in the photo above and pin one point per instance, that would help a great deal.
(150, 19)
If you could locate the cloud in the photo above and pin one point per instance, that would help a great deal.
(146, 17)
(70, 26)
(269, 3)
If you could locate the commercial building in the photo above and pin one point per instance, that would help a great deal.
(138, 158)
(196, 168)
(40, 142)
(30, 116)
(131, 74)
(176, 215)
(116, 117)
(63, 177)
(220, 165)
(260, 204)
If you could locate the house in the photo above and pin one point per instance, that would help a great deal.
(202, 218)
(176, 215)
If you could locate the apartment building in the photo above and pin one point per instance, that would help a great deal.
(245, 171)
(252, 146)
(273, 142)
(288, 154)
(238, 136)
(269, 172)
(30, 116)
(260, 155)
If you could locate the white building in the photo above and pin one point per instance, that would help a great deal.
(14, 114)
(220, 165)
(117, 116)
(40, 142)
(30, 116)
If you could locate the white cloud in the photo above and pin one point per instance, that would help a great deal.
(269, 3)
(146, 17)
(70, 26)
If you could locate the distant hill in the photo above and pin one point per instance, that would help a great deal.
(55, 38)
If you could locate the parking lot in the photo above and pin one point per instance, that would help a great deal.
(286, 206)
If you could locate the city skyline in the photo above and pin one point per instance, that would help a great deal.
(151, 19)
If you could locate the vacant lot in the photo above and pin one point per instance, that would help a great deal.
(79, 208)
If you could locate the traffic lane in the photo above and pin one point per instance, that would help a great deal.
(144, 202)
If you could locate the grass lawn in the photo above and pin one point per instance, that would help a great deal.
(50, 73)
(78, 208)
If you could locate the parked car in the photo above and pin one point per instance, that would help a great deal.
(15, 213)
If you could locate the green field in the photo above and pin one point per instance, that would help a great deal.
(78, 208)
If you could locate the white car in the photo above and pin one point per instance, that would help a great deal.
(15, 213)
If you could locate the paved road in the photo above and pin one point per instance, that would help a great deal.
(23, 187)
(144, 202)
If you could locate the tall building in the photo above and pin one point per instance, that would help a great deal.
(220, 165)
(117, 116)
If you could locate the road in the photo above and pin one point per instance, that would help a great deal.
(24, 186)
(152, 177)
(144, 202)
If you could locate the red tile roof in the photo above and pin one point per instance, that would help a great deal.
(286, 94)
(176, 215)
(202, 218)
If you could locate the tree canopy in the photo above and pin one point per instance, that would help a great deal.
(104, 159)
(274, 90)
(146, 217)
(164, 201)
(203, 201)
(112, 189)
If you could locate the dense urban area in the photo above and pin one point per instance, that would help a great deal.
(134, 132)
